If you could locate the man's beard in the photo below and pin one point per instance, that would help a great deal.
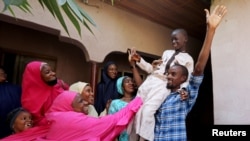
(169, 86)
(52, 82)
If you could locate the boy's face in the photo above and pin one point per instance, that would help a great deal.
(178, 40)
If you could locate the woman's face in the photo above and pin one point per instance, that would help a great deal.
(22, 122)
(88, 95)
(48, 76)
(112, 71)
(128, 85)
(80, 105)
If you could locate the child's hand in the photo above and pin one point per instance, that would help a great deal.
(183, 93)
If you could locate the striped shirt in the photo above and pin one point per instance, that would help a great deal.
(171, 116)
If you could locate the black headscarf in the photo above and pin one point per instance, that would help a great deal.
(106, 89)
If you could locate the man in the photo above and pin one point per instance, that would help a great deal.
(153, 90)
(171, 116)
(10, 98)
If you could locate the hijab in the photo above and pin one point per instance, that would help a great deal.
(37, 96)
(106, 89)
(119, 85)
(63, 102)
(83, 127)
(78, 87)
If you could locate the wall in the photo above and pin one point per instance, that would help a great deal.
(116, 30)
(230, 55)
(71, 63)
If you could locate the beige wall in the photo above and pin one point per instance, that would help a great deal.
(70, 60)
(116, 30)
(230, 55)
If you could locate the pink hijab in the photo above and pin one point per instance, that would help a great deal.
(37, 96)
(69, 125)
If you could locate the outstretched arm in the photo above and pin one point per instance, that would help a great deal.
(213, 20)
(136, 75)
(145, 66)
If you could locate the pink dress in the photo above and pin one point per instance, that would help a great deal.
(37, 96)
(28, 135)
(69, 125)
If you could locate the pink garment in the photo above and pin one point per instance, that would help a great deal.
(68, 125)
(28, 135)
(37, 96)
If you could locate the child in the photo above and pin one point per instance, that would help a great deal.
(153, 90)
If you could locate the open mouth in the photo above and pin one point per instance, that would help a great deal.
(29, 124)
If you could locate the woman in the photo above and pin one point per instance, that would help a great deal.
(21, 123)
(87, 94)
(68, 108)
(10, 98)
(39, 89)
(125, 87)
(106, 88)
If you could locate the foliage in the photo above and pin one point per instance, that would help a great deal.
(75, 13)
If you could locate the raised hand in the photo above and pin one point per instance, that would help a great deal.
(133, 56)
(216, 15)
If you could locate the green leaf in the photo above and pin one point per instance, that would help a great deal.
(58, 14)
(61, 2)
(26, 7)
(71, 9)
(87, 26)
(48, 4)
(14, 2)
(75, 9)
(11, 11)
(72, 18)
(86, 16)
(22, 4)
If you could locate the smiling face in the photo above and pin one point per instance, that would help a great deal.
(80, 105)
(48, 76)
(112, 71)
(87, 94)
(22, 122)
(175, 77)
(128, 85)
(179, 39)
